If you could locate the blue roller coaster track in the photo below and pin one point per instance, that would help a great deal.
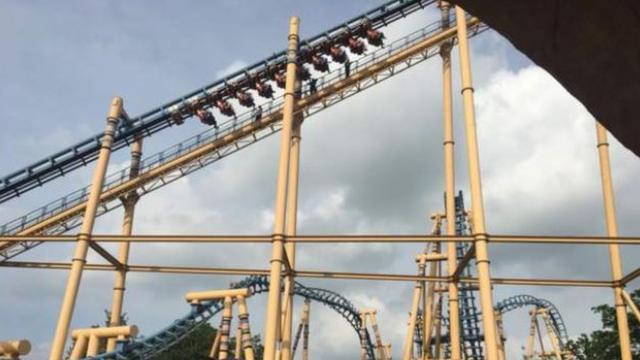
(153, 121)
(472, 338)
(151, 346)
(519, 301)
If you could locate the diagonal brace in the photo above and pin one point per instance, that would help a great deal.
(107, 256)
(471, 253)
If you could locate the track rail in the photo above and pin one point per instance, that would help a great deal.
(151, 346)
(206, 148)
(519, 301)
(86, 151)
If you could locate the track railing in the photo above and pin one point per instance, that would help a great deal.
(86, 151)
(212, 145)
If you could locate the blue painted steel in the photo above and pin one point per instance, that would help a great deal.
(149, 347)
(472, 338)
(523, 300)
(86, 151)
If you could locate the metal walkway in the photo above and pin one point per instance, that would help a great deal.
(203, 149)
(86, 151)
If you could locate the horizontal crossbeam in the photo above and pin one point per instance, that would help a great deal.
(497, 239)
(309, 274)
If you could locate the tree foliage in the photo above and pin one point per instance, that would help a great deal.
(603, 344)
(197, 345)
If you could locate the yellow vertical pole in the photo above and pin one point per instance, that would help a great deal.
(237, 352)
(543, 352)
(129, 202)
(430, 306)
(363, 332)
(79, 349)
(227, 314)
(273, 302)
(387, 351)
(247, 343)
(213, 353)
(291, 230)
(531, 340)
(413, 316)
(84, 236)
(551, 332)
(438, 326)
(614, 249)
(449, 175)
(94, 345)
(499, 331)
(305, 335)
(376, 332)
(477, 203)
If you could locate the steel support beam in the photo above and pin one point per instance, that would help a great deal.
(273, 316)
(159, 269)
(129, 203)
(450, 190)
(321, 239)
(614, 250)
(290, 231)
(491, 340)
(84, 236)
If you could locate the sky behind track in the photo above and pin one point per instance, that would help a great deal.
(372, 164)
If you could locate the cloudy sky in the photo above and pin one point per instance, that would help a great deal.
(372, 164)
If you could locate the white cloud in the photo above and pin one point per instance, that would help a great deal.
(231, 68)
(371, 165)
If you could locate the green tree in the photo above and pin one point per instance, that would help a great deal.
(197, 345)
(604, 344)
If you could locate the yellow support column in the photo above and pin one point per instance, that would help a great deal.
(553, 337)
(449, 176)
(614, 250)
(84, 236)
(363, 332)
(291, 230)
(413, 316)
(225, 329)
(531, 340)
(499, 330)
(215, 347)
(247, 343)
(429, 304)
(376, 332)
(80, 348)
(129, 202)
(477, 202)
(238, 350)
(273, 317)
(305, 333)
